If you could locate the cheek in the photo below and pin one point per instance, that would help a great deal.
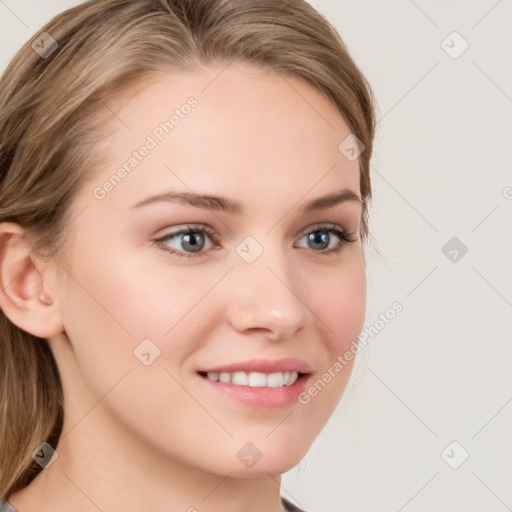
(110, 313)
(341, 304)
(112, 308)
(341, 307)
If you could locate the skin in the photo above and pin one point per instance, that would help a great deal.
(154, 437)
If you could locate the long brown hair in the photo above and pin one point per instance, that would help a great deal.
(55, 96)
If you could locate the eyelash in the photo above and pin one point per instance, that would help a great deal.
(344, 237)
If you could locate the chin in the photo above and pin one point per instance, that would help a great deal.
(263, 469)
(270, 456)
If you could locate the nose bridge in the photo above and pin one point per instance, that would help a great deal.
(265, 294)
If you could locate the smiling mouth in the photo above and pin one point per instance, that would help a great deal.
(255, 379)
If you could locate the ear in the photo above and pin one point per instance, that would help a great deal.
(23, 297)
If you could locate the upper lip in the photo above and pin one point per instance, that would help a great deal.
(264, 366)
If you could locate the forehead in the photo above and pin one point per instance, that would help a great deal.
(238, 130)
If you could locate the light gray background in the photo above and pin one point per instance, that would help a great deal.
(441, 370)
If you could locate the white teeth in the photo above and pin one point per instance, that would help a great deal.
(239, 378)
(275, 380)
(255, 379)
(225, 377)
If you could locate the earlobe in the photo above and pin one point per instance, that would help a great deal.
(45, 299)
(23, 298)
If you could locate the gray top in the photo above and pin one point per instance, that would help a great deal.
(5, 506)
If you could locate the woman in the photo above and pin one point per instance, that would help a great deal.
(184, 206)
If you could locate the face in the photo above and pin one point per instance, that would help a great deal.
(158, 296)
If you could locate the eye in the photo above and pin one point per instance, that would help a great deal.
(328, 239)
(194, 240)
(187, 242)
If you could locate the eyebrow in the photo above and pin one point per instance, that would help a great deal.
(221, 203)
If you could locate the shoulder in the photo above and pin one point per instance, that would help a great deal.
(288, 505)
(5, 506)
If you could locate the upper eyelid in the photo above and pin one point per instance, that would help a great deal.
(322, 225)
(192, 228)
(188, 228)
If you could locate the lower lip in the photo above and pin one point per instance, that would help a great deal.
(263, 398)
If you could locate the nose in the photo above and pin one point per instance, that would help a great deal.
(267, 299)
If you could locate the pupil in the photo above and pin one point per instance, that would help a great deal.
(192, 240)
(319, 237)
